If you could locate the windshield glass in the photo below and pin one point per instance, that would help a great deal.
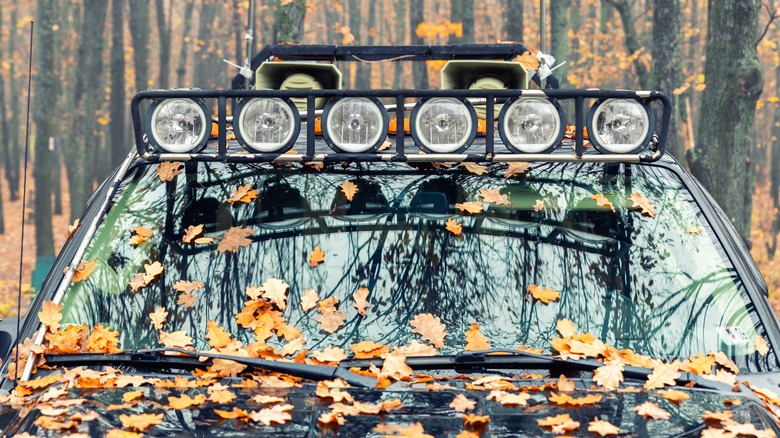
(660, 286)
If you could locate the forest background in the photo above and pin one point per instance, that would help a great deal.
(718, 59)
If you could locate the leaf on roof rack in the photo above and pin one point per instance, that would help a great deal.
(167, 170)
(475, 168)
(528, 60)
(350, 190)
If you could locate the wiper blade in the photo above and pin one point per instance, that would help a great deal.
(504, 358)
(155, 358)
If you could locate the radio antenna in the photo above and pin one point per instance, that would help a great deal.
(543, 33)
(250, 38)
(24, 206)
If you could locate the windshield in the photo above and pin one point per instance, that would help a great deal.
(658, 285)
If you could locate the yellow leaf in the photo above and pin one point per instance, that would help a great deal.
(454, 227)
(761, 346)
(316, 257)
(544, 295)
(475, 340)
(102, 120)
(349, 189)
(473, 207)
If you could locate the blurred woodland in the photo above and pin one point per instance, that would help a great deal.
(718, 59)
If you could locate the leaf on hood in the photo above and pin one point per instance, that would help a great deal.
(349, 189)
(494, 196)
(699, 364)
(610, 374)
(602, 201)
(475, 421)
(462, 404)
(133, 395)
(454, 227)
(229, 415)
(472, 207)
(361, 300)
(187, 286)
(567, 400)
(140, 421)
(396, 430)
(544, 295)
(514, 169)
(222, 397)
(83, 271)
(602, 427)
(475, 340)
(508, 398)
(662, 375)
(560, 424)
(430, 328)
(192, 232)
(158, 318)
(234, 238)
(674, 395)
(316, 257)
(761, 345)
(185, 401)
(50, 315)
(277, 414)
(309, 299)
(652, 410)
(565, 385)
(243, 195)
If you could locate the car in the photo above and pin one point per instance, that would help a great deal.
(405, 262)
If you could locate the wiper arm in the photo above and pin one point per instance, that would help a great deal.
(155, 358)
(498, 358)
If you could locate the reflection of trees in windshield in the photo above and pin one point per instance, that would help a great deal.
(633, 281)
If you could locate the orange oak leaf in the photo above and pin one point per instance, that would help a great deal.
(566, 327)
(151, 272)
(277, 414)
(462, 404)
(693, 230)
(723, 360)
(234, 238)
(476, 340)
(602, 201)
(674, 395)
(217, 336)
(544, 295)
(72, 229)
(475, 168)
(203, 240)
(243, 195)
(50, 315)
(187, 286)
(566, 399)
(508, 398)
(316, 257)
(518, 168)
(293, 346)
(368, 349)
(192, 232)
(652, 410)
(361, 300)
(642, 204)
(538, 205)
(309, 299)
(610, 374)
(329, 354)
(528, 60)
(662, 375)
(276, 290)
(454, 227)
(473, 207)
(222, 396)
(140, 421)
(430, 328)
(565, 385)
(700, 364)
(716, 418)
(187, 300)
(349, 189)
(83, 271)
(331, 321)
(235, 413)
(103, 340)
(137, 282)
(761, 345)
(395, 367)
(185, 401)
(158, 318)
(177, 339)
(559, 423)
(415, 349)
(133, 395)
(494, 196)
(140, 235)
(167, 170)
(396, 430)
(602, 427)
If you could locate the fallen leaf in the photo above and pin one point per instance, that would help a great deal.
(693, 230)
(329, 354)
(234, 238)
(103, 340)
(331, 321)
(217, 336)
(642, 204)
(222, 397)
(187, 300)
(277, 414)
(602, 201)
(559, 423)
(137, 282)
(723, 360)
(229, 415)
(430, 328)
(185, 401)
(293, 346)
(603, 428)
(662, 375)
(565, 385)
(538, 205)
(395, 367)
(192, 232)
(652, 410)
(475, 168)
(566, 327)
(544, 295)
(475, 340)
(454, 227)
(350, 190)
(475, 421)
(317, 256)
(610, 374)
(493, 196)
(528, 60)
(361, 300)
(83, 271)
(140, 421)
(118, 433)
(243, 195)
(309, 299)
(519, 168)
(674, 395)
(187, 286)
(567, 400)
(396, 430)
(700, 364)
(151, 272)
(761, 346)
(368, 349)
(462, 404)
(50, 315)
(132, 395)
(276, 290)
(177, 339)
(167, 170)
(509, 399)
(140, 235)
(72, 229)
(473, 207)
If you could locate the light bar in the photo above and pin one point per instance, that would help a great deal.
(178, 125)
(266, 124)
(620, 126)
(443, 125)
(532, 125)
(354, 125)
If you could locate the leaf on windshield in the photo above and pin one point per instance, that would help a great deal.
(544, 295)
(187, 286)
(475, 340)
(674, 395)
(538, 205)
(50, 315)
(316, 257)
(185, 401)
(415, 349)
(103, 340)
(293, 346)
(462, 404)
(158, 318)
(472, 207)
(699, 364)
(602, 427)
(243, 195)
(652, 410)
(693, 230)
(217, 336)
(329, 354)
(519, 168)
(723, 360)
(140, 421)
(508, 398)
(84, 270)
(602, 201)
(331, 321)
(494, 196)
(395, 367)
(761, 346)
(454, 227)
(67, 341)
(167, 170)
(276, 290)
(349, 189)
(187, 300)
(309, 299)
(361, 300)
(475, 168)
(192, 232)
(566, 327)
(140, 235)
(430, 328)
(642, 204)
(234, 238)
(567, 400)
(151, 272)
(662, 375)
(72, 229)
(177, 339)
(369, 349)
(610, 374)
(560, 424)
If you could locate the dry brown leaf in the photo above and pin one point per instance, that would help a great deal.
(565, 385)
(309, 299)
(293, 346)
(72, 229)
(350, 190)
(473, 207)
(430, 328)
(103, 340)
(132, 395)
(560, 423)
(602, 201)
(185, 401)
(50, 315)
(223, 396)
(192, 232)
(538, 205)
(396, 430)
(416, 349)
(151, 272)
(528, 60)
(361, 300)
(331, 321)
(187, 300)
(177, 339)
(140, 421)
(462, 404)
(235, 237)
(316, 257)
(167, 170)
(567, 400)
(544, 295)
(395, 367)
(140, 235)
(508, 398)
(187, 286)
(235, 413)
(652, 410)
(275, 290)
(494, 196)
(83, 271)
(243, 195)
(662, 375)
(217, 336)
(723, 360)
(700, 364)
(610, 374)
(566, 327)
(603, 428)
(475, 421)
(475, 340)
(519, 168)
(674, 395)
(761, 345)
(329, 354)
(642, 204)
(475, 168)
(368, 349)
(454, 227)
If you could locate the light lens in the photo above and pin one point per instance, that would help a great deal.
(531, 125)
(179, 125)
(354, 125)
(619, 126)
(443, 125)
(267, 125)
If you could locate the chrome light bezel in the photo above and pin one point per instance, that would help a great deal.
(291, 138)
(413, 124)
(154, 110)
(597, 142)
(329, 107)
(503, 118)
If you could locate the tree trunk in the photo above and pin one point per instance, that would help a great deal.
(118, 148)
(419, 69)
(725, 138)
(43, 114)
(207, 9)
(139, 30)
(164, 33)
(400, 35)
(774, 168)
(513, 26)
(462, 11)
(576, 22)
(4, 140)
(559, 37)
(186, 43)
(355, 24)
(289, 21)
(666, 63)
(12, 165)
(631, 40)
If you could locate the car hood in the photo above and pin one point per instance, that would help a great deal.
(430, 408)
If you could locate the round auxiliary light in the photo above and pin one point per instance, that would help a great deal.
(620, 126)
(442, 125)
(532, 125)
(266, 125)
(178, 125)
(354, 125)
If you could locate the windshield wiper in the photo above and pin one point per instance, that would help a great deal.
(157, 359)
(500, 358)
